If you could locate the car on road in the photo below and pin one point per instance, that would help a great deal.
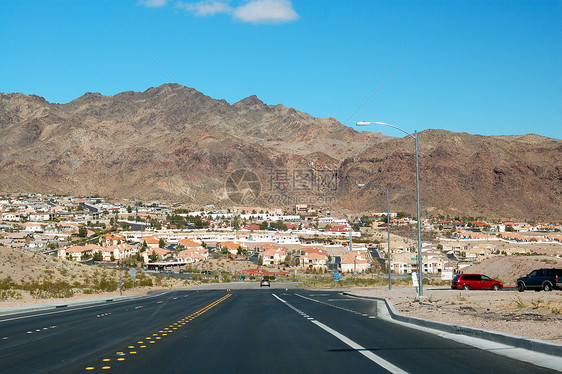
(208, 272)
(475, 282)
(541, 279)
(264, 283)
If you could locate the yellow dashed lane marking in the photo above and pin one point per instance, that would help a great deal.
(169, 329)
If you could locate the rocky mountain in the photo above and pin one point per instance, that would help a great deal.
(173, 142)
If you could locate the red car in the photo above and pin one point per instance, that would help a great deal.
(475, 282)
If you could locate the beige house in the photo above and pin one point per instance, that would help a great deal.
(192, 255)
(354, 262)
(273, 256)
(232, 247)
(119, 251)
(314, 261)
(163, 254)
(76, 252)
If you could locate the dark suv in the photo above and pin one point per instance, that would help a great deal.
(541, 279)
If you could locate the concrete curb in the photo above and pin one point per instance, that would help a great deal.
(534, 345)
(62, 304)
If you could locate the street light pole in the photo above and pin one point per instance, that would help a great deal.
(387, 225)
(415, 136)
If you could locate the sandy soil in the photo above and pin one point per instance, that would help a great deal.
(28, 300)
(530, 314)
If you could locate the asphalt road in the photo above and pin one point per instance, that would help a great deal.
(254, 330)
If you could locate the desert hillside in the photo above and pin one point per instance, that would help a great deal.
(173, 142)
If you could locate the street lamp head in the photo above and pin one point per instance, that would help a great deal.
(361, 185)
(363, 123)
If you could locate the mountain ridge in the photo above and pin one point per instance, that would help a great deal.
(175, 142)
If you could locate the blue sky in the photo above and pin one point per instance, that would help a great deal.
(482, 67)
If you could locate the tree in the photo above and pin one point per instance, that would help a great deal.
(401, 215)
(260, 261)
(97, 256)
(153, 257)
(161, 243)
(264, 226)
(82, 232)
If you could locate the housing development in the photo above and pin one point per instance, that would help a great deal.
(157, 236)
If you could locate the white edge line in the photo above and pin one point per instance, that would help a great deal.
(359, 348)
(97, 304)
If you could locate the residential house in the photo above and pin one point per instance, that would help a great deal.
(112, 239)
(163, 254)
(273, 256)
(354, 261)
(193, 254)
(151, 241)
(41, 216)
(119, 251)
(231, 246)
(76, 252)
(314, 260)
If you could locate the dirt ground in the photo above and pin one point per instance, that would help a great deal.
(27, 300)
(536, 315)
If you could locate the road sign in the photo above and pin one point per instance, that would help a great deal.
(133, 271)
(337, 276)
(415, 279)
(414, 258)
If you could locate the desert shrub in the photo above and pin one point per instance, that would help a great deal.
(7, 283)
(48, 289)
(9, 295)
(107, 285)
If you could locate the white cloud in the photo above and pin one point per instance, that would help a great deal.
(153, 3)
(206, 8)
(252, 11)
(266, 11)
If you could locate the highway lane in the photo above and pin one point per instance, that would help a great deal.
(60, 341)
(235, 331)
